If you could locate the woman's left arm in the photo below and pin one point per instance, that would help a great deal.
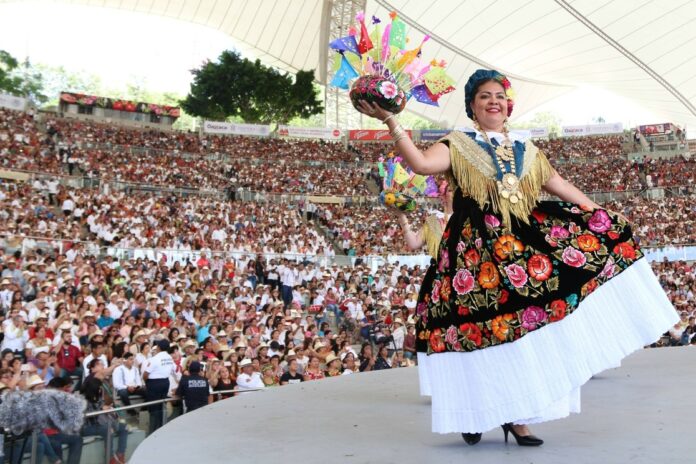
(566, 191)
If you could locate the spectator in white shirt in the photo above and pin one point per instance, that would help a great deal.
(248, 379)
(127, 380)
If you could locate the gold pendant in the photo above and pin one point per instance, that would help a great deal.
(504, 152)
(509, 188)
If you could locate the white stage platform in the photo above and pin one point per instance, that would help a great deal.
(642, 412)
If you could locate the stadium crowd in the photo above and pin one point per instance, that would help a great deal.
(669, 221)
(109, 328)
(567, 148)
(121, 220)
(367, 230)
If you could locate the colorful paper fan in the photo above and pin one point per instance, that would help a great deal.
(378, 68)
(400, 185)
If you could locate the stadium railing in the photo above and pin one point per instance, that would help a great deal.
(91, 445)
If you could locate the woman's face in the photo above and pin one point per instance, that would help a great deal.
(490, 106)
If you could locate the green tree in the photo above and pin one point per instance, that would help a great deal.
(21, 79)
(237, 87)
(57, 79)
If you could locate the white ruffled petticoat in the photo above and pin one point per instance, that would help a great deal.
(538, 377)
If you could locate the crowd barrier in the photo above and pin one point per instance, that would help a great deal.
(11, 243)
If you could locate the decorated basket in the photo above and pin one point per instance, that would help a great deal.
(378, 68)
(376, 89)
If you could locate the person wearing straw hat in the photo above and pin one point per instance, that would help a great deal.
(333, 365)
(248, 379)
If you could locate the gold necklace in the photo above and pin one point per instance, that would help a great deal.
(509, 184)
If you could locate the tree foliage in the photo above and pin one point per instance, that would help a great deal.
(235, 87)
(21, 79)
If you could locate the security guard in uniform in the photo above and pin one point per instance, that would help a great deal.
(156, 375)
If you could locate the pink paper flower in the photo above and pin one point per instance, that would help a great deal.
(574, 257)
(463, 282)
(517, 275)
(388, 89)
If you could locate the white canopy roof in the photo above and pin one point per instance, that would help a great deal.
(644, 50)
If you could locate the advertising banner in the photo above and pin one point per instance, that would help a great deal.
(326, 133)
(655, 129)
(433, 134)
(373, 134)
(592, 129)
(538, 132)
(12, 102)
(230, 128)
(117, 104)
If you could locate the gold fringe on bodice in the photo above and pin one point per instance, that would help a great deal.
(432, 234)
(474, 172)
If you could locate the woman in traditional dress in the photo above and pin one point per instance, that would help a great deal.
(526, 300)
(431, 232)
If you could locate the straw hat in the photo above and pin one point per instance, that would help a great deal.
(65, 326)
(330, 358)
(245, 362)
(34, 381)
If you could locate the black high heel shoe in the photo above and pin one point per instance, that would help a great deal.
(526, 440)
(471, 438)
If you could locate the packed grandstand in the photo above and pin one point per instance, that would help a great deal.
(114, 238)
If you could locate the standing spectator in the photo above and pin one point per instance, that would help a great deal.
(194, 389)
(156, 375)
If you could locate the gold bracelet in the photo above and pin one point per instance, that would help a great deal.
(388, 118)
(397, 132)
(402, 136)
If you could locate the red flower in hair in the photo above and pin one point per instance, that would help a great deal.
(506, 83)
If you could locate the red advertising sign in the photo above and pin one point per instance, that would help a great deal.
(373, 134)
(655, 129)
